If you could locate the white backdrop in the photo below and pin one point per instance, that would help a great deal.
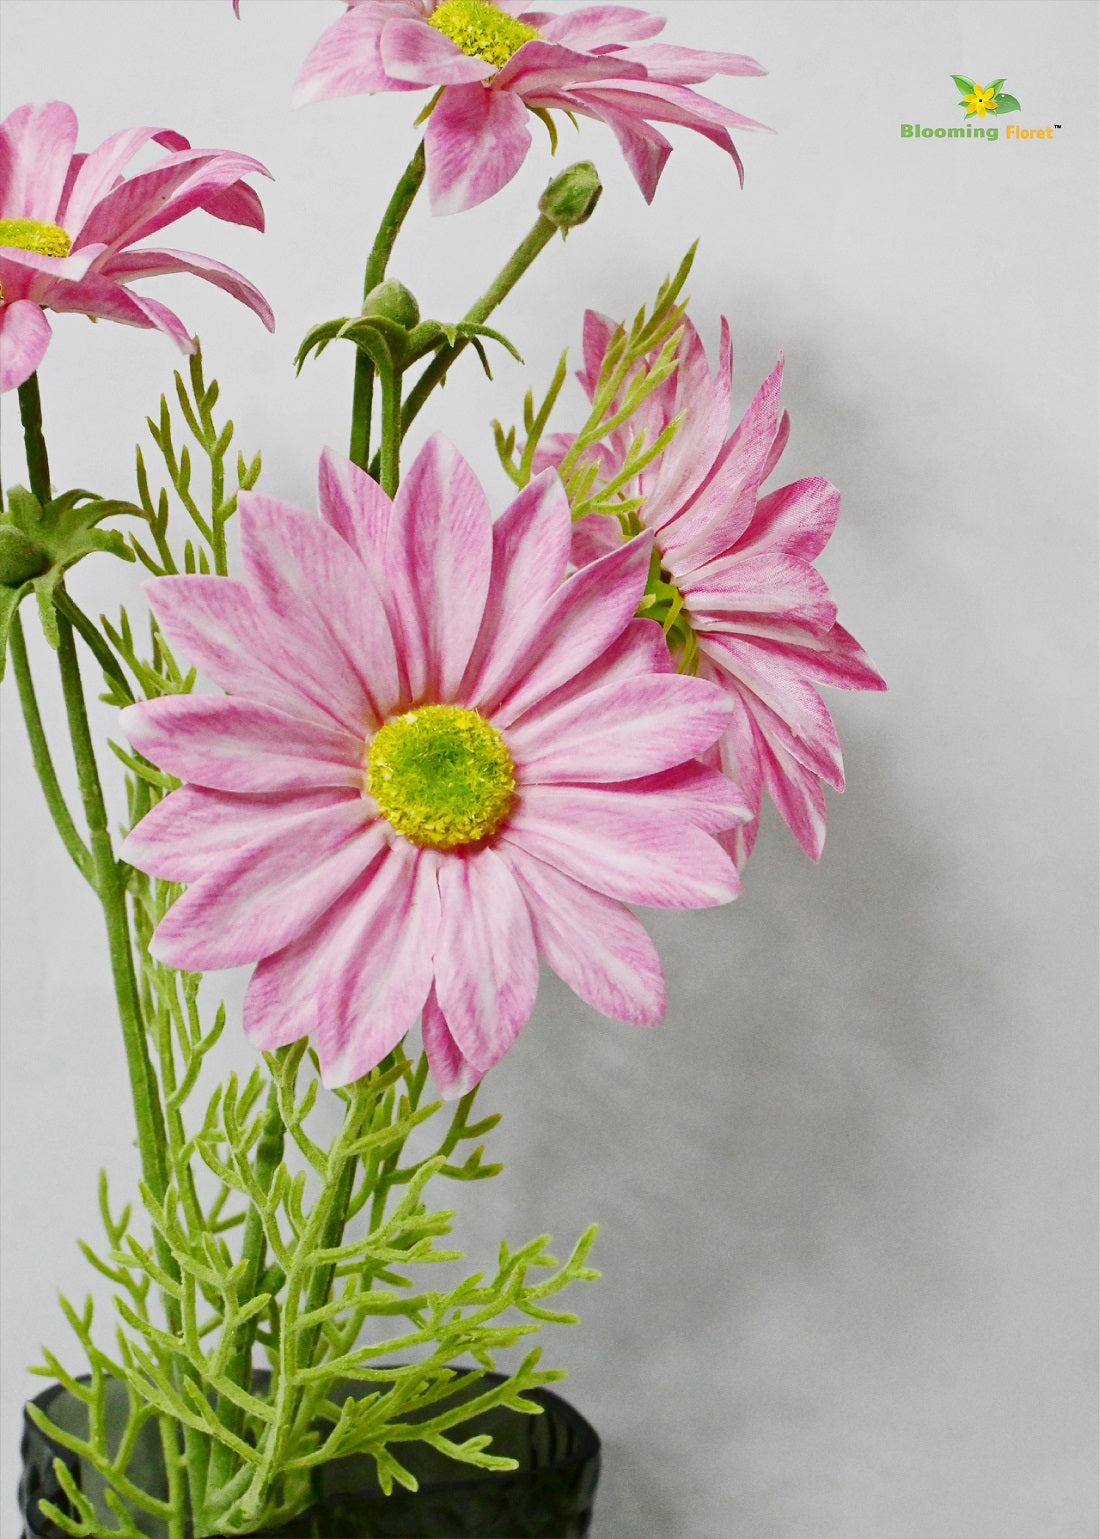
(847, 1191)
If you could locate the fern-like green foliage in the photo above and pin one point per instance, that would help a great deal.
(638, 359)
(274, 1242)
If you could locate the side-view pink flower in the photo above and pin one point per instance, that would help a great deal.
(490, 62)
(68, 224)
(757, 617)
(437, 760)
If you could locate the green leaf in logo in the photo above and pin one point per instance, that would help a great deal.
(996, 85)
(1005, 103)
(964, 85)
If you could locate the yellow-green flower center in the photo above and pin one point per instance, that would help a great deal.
(441, 776)
(33, 235)
(481, 29)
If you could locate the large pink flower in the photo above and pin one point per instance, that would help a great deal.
(756, 614)
(68, 223)
(490, 62)
(436, 761)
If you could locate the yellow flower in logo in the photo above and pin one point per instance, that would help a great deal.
(980, 100)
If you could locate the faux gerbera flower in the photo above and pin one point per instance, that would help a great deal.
(734, 582)
(68, 224)
(491, 62)
(436, 761)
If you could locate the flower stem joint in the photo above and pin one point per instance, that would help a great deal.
(571, 197)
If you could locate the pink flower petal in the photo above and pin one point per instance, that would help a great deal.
(146, 202)
(734, 588)
(613, 841)
(257, 900)
(147, 263)
(530, 551)
(411, 50)
(475, 142)
(541, 71)
(36, 145)
(787, 708)
(395, 895)
(621, 731)
(345, 60)
(486, 965)
(237, 745)
(101, 168)
(194, 827)
(697, 794)
(224, 629)
(453, 1073)
(24, 338)
(594, 944)
(304, 573)
(380, 972)
(353, 503)
(438, 569)
(640, 649)
(797, 519)
(670, 65)
(584, 616)
(597, 26)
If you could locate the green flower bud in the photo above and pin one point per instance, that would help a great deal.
(394, 302)
(570, 198)
(21, 558)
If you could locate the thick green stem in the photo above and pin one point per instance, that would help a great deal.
(40, 755)
(38, 463)
(392, 220)
(111, 890)
(390, 453)
(513, 270)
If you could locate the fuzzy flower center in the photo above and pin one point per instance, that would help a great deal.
(32, 235)
(481, 29)
(441, 776)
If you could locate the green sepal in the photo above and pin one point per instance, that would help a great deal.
(48, 538)
(1005, 103)
(389, 344)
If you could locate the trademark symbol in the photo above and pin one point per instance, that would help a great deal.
(1057, 125)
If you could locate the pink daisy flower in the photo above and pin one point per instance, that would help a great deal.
(490, 62)
(68, 223)
(436, 761)
(756, 617)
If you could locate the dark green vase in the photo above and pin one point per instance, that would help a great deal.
(549, 1496)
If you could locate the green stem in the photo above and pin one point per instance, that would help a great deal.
(94, 641)
(324, 1230)
(390, 454)
(538, 237)
(392, 220)
(40, 755)
(111, 889)
(223, 1461)
(38, 463)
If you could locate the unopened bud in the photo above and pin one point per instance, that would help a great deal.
(570, 198)
(394, 302)
(21, 558)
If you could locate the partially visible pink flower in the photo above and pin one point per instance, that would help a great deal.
(761, 618)
(68, 224)
(436, 760)
(491, 62)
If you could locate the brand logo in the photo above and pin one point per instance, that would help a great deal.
(985, 104)
(979, 100)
